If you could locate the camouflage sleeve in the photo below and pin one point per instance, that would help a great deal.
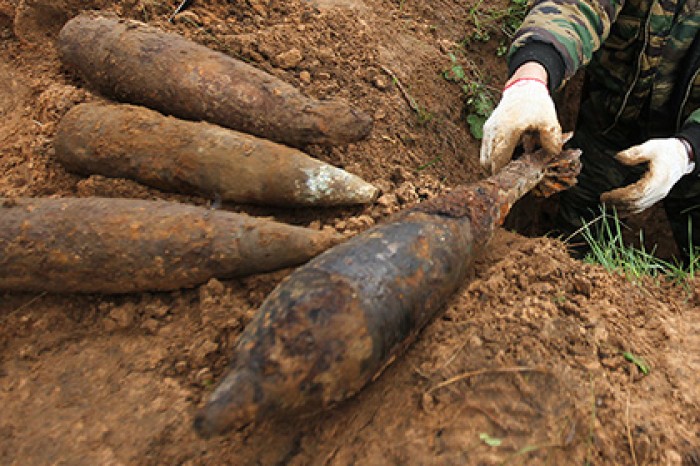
(691, 133)
(573, 29)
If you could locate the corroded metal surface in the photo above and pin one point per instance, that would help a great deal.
(559, 175)
(122, 245)
(336, 322)
(135, 63)
(182, 156)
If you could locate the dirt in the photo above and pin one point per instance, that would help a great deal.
(525, 366)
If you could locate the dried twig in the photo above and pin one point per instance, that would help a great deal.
(411, 101)
(491, 417)
(468, 375)
(23, 306)
(184, 4)
(454, 355)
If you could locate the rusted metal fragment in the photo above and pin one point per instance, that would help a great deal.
(96, 245)
(135, 63)
(337, 321)
(127, 141)
(559, 175)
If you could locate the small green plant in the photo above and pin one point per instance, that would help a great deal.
(480, 102)
(502, 49)
(480, 98)
(637, 361)
(423, 115)
(490, 441)
(486, 23)
(513, 17)
(430, 163)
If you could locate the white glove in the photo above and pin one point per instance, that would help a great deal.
(668, 162)
(525, 106)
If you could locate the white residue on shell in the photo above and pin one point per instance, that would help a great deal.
(330, 185)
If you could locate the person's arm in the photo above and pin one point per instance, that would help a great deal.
(562, 36)
(556, 39)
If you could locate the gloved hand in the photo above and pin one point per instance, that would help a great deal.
(668, 162)
(525, 106)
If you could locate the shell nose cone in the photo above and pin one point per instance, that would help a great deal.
(324, 184)
(231, 407)
(204, 426)
(217, 418)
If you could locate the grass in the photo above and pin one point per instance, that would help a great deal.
(604, 237)
(637, 361)
(490, 441)
(429, 164)
(490, 22)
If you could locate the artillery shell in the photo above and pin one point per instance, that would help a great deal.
(182, 156)
(96, 245)
(135, 63)
(336, 322)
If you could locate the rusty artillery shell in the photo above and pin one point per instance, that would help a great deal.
(97, 245)
(135, 63)
(183, 156)
(336, 322)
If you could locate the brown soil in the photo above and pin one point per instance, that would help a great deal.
(534, 340)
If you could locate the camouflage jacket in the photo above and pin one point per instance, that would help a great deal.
(643, 60)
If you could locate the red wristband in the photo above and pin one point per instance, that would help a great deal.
(510, 84)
